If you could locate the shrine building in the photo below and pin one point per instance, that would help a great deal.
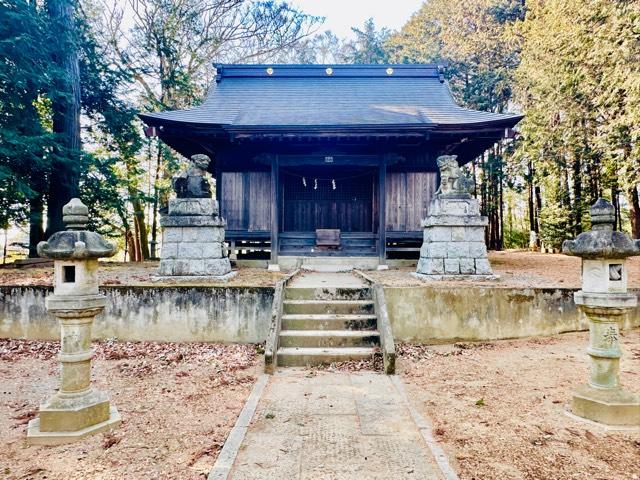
(319, 160)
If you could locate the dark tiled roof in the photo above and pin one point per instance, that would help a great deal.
(246, 96)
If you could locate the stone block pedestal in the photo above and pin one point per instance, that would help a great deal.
(193, 240)
(454, 246)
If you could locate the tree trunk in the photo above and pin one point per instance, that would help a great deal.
(501, 200)
(4, 248)
(154, 224)
(65, 168)
(36, 232)
(615, 201)
(139, 224)
(141, 229)
(136, 241)
(131, 246)
(634, 211)
(530, 202)
(538, 197)
(577, 196)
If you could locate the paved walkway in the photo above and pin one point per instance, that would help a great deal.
(327, 280)
(338, 426)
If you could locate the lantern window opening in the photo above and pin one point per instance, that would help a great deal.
(615, 272)
(69, 274)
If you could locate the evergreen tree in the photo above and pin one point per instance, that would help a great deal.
(369, 45)
(578, 83)
(65, 108)
(27, 84)
(474, 40)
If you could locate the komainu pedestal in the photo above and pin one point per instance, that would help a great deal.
(193, 230)
(193, 239)
(454, 246)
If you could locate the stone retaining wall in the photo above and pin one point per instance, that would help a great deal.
(446, 314)
(171, 314)
(426, 314)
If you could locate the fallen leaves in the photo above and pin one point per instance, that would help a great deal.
(522, 431)
(178, 402)
(141, 359)
(110, 439)
(210, 451)
(11, 349)
(374, 363)
(25, 417)
(140, 273)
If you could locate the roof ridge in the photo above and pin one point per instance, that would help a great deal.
(329, 70)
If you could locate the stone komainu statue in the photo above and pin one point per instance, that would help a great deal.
(192, 183)
(453, 182)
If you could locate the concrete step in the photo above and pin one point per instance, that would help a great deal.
(327, 293)
(329, 338)
(321, 267)
(329, 322)
(311, 307)
(300, 357)
(328, 263)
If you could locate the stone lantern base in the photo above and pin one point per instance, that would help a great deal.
(614, 407)
(37, 436)
(69, 416)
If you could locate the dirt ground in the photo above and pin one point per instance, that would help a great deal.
(178, 403)
(518, 269)
(499, 408)
(119, 273)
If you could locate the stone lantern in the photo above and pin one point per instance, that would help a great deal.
(77, 409)
(605, 301)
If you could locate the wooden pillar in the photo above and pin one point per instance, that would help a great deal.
(217, 175)
(382, 211)
(275, 211)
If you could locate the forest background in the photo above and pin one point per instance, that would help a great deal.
(75, 73)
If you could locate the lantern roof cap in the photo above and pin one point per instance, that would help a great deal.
(602, 242)
(76, 243)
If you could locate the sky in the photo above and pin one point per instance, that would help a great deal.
(341, 15)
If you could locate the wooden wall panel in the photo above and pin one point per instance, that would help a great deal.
(420, 190)
(407, 199)
(259, 201)
(232, 200)
(245, 201)
(396, 187)
(246, 204)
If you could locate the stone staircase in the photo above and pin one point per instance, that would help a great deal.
(322, 325)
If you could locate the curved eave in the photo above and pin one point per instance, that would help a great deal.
(467, 140)
(198, 127)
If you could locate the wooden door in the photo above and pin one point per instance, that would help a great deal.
(328, 197)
